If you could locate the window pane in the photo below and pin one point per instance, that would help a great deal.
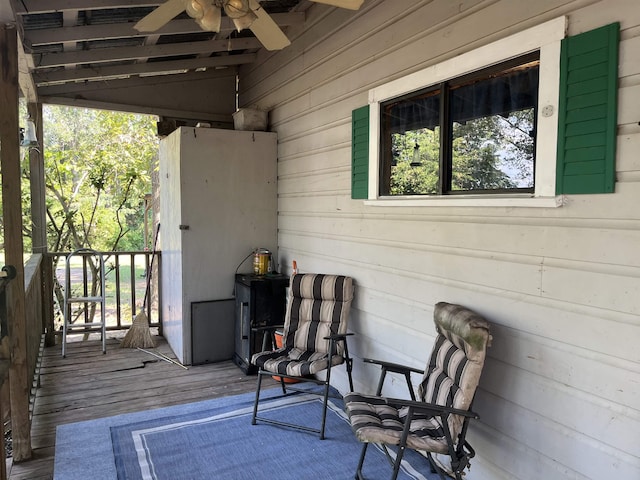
(416, 166)
(412, 145)
(475, 133)
(493, 131)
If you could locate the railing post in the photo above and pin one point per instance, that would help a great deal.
(4, 370)
(47, 301)
(158, 277)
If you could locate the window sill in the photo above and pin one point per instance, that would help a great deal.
(522, 201)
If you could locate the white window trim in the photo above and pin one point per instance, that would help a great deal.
(545, 37)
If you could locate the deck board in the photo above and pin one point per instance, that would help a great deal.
(88, 384)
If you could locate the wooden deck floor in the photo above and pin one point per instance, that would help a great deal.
(87, 385)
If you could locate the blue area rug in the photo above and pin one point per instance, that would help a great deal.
(215, 440)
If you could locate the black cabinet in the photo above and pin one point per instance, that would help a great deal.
(260, 301)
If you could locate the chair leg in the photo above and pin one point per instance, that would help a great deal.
(255, 404)
(325, 400)
(396, 465)
(361, 462)
(435, 468)
(402, 445)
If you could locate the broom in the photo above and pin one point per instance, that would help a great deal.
(139, 335)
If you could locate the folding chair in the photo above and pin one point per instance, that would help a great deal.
(314, 339)
(437, 422)
(92, 270)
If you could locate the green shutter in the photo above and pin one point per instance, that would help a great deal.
(360, 153)
(588, 112)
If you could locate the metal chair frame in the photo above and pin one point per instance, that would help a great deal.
(288, 390)
(86, 327)
(460, 452)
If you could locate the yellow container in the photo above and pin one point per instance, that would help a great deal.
(261, 261)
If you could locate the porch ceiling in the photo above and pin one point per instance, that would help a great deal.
(70, 45)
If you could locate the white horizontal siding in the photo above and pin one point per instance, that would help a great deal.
(560, 394)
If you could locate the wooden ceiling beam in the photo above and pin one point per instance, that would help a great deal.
(25, 7)
(101, 55)
(214, 118)
(27, 86)
(69, 17)
(84, 33)
(6, 12)
(87, 33)
(80, 74)
(177, 78)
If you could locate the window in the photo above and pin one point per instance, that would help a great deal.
(471, 134)
(532, 53)
(561, 141)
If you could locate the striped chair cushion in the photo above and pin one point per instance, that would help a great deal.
(454, 369)
(318, 307)
(374, 421)
(450, 379)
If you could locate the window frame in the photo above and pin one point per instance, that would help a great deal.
(545, 38)
(444, 92)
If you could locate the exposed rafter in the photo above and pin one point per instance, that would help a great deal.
(69, 41)
(122, 71)
(135, 81)
(89, 52)
(88, 33)
(105, 55)
(32, 7)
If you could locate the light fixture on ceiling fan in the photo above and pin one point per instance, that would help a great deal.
(208, 13)
(243, 13)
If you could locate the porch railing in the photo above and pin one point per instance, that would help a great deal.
(35, 300)
(7, 276)
(21, 355)
(44, 274)
(126, 282)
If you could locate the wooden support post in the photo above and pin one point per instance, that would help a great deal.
(36, 169)
(39, 222)
(13, 246)
(4, 371)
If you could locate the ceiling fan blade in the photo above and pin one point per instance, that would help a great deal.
(349, 4)
(266, 30)
(160, 16)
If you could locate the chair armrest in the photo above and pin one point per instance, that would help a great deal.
(393, 367)
(432, 408)
(338, 336)
(267, 328)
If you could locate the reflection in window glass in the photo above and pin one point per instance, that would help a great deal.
(414, 125)
(492, 134)
(474, 133)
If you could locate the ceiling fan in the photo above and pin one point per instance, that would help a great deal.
(243, 13)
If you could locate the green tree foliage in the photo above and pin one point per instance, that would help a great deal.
(417, 166)
(488, 153)
(98, 168)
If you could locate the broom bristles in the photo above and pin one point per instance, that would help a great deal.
(139, 334)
